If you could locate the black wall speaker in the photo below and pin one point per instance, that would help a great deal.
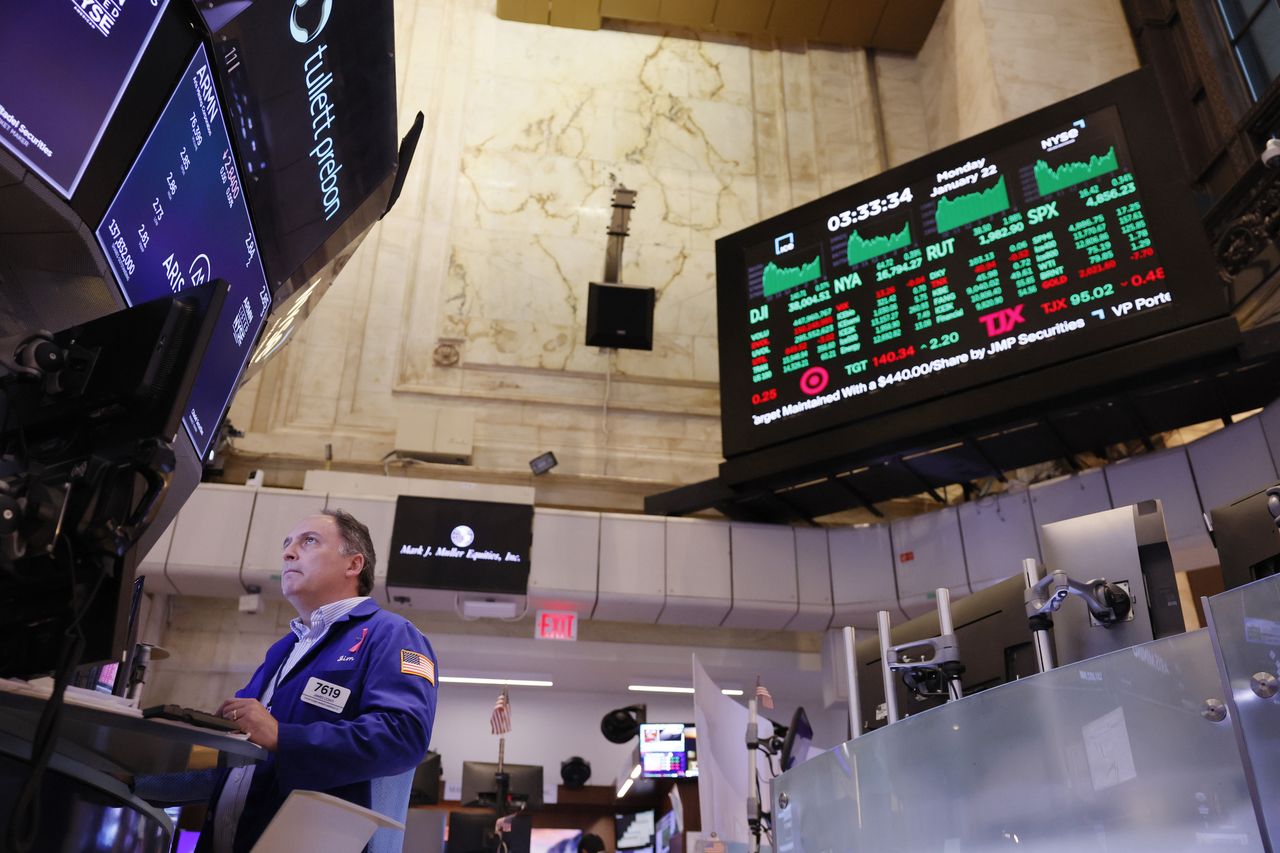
(620, 317)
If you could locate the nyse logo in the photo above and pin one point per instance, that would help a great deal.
(300, 33)
(784, 243)
(1058, 140)
(1002, 322)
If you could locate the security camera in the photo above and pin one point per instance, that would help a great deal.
(1271, 154)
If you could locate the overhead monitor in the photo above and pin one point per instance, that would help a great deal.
(1065, 233)
(63, 69)
(668, 750)
(312, 104)
(179, 221)
(468, 546)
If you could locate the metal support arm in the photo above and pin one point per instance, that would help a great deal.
(1108, 602)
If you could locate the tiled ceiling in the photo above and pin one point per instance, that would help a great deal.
(885, 24)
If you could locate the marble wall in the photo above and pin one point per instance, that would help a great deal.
(502, 221)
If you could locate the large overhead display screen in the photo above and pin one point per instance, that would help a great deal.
(180, 221)
(1061, 234)
(312, 105)
(63, 67)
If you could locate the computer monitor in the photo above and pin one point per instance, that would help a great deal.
(87, 459)
(1247, 537)
(473, 832)
(634, 831)
(795, 746)
(426, 782)
(114, 676)
(524, 789)
(994, 641)
(668, 750)
(557, 840)
(666, 832)
(1126, 545)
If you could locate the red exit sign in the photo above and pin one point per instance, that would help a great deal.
(556, 625)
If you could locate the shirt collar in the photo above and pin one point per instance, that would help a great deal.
(324, 616)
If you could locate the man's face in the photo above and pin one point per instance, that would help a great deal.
(315, 571)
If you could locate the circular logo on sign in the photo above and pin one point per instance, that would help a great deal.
(813, 380)
(462, 536)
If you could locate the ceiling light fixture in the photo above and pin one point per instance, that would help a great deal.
(660, 688)
(503, 682)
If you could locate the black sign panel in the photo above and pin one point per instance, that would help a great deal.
(311, 91)
(469, 546)
(1062, 234)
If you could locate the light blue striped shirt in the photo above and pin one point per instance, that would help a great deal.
(308, 635)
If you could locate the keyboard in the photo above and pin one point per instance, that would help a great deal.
(191, 716)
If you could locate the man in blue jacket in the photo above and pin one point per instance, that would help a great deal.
(342, 703)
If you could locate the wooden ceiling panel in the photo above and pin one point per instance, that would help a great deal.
(797, 19)
(579, 14)
(851, 21)
(742, 16)
(905, 24)
(687, 13)
(528, 11)
(890, 24)
(631, 10)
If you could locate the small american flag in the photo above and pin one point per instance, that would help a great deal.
(416, 663)
(714, 845)
(762, 693)
(500, 719)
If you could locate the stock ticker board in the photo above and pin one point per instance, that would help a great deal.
(179, 221)
(956, 273)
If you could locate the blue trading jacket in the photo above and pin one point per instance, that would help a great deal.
(383, 730)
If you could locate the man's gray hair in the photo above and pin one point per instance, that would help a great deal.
(355, 540)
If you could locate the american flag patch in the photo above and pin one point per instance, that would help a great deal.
(416, 663)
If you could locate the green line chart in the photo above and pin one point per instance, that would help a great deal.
(777, 279)
(969, 207)
(864, 249)
(1051, 180)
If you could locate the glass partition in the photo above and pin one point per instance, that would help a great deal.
(1245, 626)
(1111, 753)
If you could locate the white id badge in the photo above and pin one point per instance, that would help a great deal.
(322, 694)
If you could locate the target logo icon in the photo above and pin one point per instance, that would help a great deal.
(814, 380)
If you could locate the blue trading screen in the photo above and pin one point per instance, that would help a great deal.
(180, 221)
(56, 101)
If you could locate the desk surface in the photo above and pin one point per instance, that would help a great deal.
(119, 740)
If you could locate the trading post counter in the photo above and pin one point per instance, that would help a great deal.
(85, 801)
(1144, 749)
